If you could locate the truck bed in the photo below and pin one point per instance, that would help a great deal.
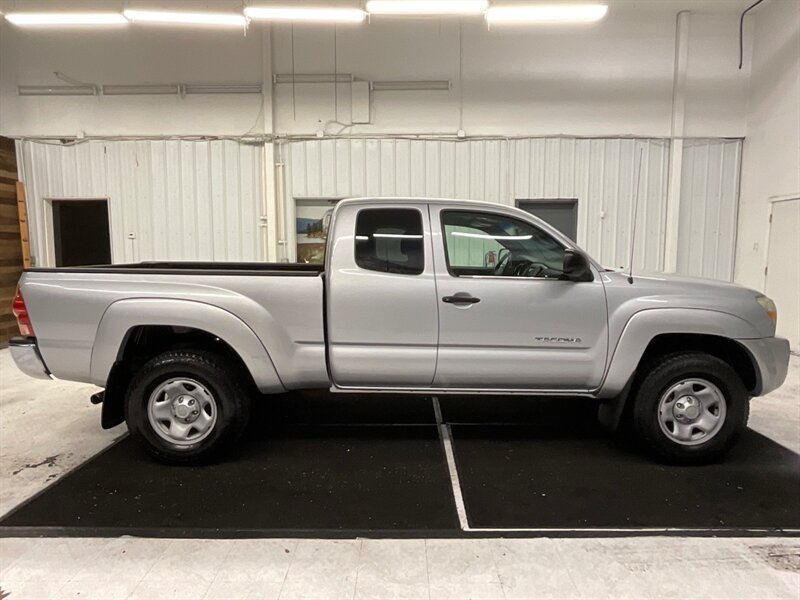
(73, 307)
(195, 268)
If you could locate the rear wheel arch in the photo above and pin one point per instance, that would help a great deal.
(141, 343)
(123, 319)
(133, 331)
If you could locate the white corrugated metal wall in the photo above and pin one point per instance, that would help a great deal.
(199, 200)
(709, 207)
(180, 200)
(599, 173)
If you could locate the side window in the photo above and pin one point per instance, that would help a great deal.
(486, 244)
(390, 240)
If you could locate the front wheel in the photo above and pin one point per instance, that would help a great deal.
(187, 406)
(689, 408)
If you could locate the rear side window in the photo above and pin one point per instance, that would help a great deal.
(389, 240)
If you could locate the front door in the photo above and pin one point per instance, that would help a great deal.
(506, 319)
(382, 312)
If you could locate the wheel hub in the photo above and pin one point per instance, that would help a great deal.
(182, 411)
(692, 411)
(687, 409)
(186, 408)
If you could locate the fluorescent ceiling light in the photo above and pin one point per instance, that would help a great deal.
(53, 18)
(410, 86)
(305, 13)
(187, 18)
(522, 14)
(427, 7)
(140, 90)
(486, 236)
(57, 90)
(399, 236)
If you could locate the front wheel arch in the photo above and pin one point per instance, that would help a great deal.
(726, 349)
(615, 413)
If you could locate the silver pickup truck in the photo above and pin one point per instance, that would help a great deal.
(416, 296)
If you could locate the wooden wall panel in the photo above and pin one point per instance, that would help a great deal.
(10, 242)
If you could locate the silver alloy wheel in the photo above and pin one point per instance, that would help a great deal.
(692, 411)
(182, 411)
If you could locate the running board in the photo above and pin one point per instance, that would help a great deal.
(460, 391)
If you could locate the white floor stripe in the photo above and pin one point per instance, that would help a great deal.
(654, 530)
(447, 443)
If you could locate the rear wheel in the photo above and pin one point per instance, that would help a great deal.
(187, 406)
(689, 408)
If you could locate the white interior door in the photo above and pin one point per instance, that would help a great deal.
(783, 268)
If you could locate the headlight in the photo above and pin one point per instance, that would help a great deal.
(768, 305)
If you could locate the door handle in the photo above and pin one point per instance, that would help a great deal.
(461, 299)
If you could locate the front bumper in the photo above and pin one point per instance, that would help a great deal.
(771, 356)
(26, 355)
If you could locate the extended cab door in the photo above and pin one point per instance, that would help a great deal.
(506, 319)
(382, 320)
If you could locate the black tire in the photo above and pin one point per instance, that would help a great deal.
(662, 373)
(218, 376)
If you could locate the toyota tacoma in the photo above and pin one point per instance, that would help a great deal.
(416, 296)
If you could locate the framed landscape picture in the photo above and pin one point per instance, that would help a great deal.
(312, 219)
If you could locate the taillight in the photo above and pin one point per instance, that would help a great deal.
(21, 313)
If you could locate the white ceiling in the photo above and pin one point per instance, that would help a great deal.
(705, 6)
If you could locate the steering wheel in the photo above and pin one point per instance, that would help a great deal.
(530, 269)
(503, 262)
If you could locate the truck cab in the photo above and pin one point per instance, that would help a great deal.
(478, 298)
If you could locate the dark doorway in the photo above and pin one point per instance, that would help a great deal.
(80, 230)
(561, 214)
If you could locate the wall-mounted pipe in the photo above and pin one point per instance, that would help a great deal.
(741, 31)
(280, 196)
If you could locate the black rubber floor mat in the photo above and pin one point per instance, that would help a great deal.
(533, 477)
(324, 407)
(541, 413)
(331, 465)
(331, 478)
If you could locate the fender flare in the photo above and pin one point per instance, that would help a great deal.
(645, 325)
(122, 316)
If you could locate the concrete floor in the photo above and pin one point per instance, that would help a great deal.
(315, 569)
(48, 428)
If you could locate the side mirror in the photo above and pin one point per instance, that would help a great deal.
(576, 267)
